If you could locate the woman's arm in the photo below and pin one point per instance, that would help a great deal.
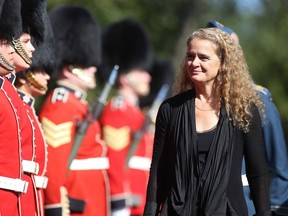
(256, 166)
(151, 207)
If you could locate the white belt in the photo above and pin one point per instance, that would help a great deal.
(12, 184)
(30, 167)
(140, 163)
(41, 181)
(244, 180)
(98, 163)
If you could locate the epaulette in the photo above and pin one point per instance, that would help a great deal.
(263, 90)
(60, 94)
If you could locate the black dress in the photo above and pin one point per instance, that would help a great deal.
(180, 185)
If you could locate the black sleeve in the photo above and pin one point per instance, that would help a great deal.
(256, 166)
(151, 207)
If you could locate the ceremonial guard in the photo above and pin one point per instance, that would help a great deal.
(81, 187)
(126, 44)
(162, 73)
(12, 184)
(33, 82)
(32, 26)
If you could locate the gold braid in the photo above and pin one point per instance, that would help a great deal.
(21, 51)
(31, 79)
(5, 64)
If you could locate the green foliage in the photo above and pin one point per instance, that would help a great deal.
(266, 52)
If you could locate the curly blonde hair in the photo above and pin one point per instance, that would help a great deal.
(233, 84)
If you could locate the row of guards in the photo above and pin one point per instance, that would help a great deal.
(69, 158)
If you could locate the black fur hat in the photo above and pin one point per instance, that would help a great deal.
(162, 72)
(10, 19)
(126, 44)
(44, 54)
(77, 35)
(1, 6)
(32, 12)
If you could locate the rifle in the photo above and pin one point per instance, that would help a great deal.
(150, 117)
(93, 114)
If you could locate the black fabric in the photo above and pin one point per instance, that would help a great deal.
(1, 82)
(76, 205)
(53, 211)
(204, 142)
(118, 204)
(175, 185)
(280, 210)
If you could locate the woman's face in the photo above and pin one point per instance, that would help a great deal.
(202, 62)
(6, 50)
(20, 64)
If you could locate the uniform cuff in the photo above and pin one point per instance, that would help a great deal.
(53, 211)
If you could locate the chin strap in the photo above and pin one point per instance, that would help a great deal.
(31, 79)
(80, 74)
(21, 51)
(5, 64)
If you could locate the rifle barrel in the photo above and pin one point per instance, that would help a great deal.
(92, 115)
(161, 95)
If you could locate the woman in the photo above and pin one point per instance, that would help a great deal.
(203, 132)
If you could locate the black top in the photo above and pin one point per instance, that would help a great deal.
(204, 141)
(177, 186)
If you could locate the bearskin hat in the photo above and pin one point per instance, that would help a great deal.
(1, 6)
(10, 19)
(125, 43)
(32, 12)
(162, 72)
(77, 35)
(44, 54)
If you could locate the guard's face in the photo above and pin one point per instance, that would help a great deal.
(6, 50)
(84, 78)
(139, 81)
(38, 86)
(20, 64)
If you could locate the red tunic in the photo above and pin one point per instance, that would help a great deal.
(29, 200)
(10, 150)
(138, 173)
(40, 153)
(128, 186)
(86, 182)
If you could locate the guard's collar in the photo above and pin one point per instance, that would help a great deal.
(11, 77)
(80, 94)
(26, 98)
